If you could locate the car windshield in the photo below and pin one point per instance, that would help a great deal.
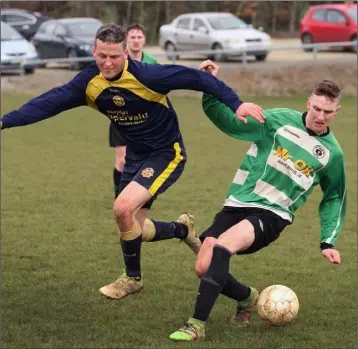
(8, 33)
(352, 13)
(84, 28)
(226, 22)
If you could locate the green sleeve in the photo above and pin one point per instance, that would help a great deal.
(226, 120)
(332, 209)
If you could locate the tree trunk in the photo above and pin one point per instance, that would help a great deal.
(293, 17)
(274, 17)
(141, 12)
(127, 20)
(156, 22)
(167, 12)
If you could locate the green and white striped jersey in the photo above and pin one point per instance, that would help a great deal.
(284, 163)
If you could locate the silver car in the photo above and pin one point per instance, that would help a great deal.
(16, 51)
(214, 31)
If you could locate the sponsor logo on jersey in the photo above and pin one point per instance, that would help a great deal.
(147, 172)
(298, 164)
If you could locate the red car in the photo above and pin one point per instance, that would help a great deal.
(329, 23)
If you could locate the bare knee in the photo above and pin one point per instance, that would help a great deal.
(122, 209)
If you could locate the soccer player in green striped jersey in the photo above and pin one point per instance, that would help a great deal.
(291, 153)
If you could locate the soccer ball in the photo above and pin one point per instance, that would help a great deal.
(277, 305)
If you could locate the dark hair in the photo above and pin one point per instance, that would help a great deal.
(135, 26)
(327, 88)
(113, 33)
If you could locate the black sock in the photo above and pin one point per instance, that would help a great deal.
(166, 230)
(117, 175)
(212, 282)
(131, 254)
(234, 289)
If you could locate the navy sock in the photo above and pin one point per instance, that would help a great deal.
(169, 230)
(212, 283)
(234, 289)
(131, 254)
(117, 175)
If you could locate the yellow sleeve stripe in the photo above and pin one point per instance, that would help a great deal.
(168, 171)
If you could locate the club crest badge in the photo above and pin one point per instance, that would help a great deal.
(118, 100)
(147, 173)
(318, 152)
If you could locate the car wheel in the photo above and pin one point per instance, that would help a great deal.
(217, 56)
(307, 39)
(29, 70)
(261, 58)
(170, 49)
(73, 65)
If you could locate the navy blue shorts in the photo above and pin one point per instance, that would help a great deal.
(156, 172)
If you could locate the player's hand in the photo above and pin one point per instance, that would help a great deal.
(332, 255)
(209, 67)
(250, 109)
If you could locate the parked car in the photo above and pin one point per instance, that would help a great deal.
(25, 22)
(214, 31)
(329, 23)
(14, 49)
(66, 38)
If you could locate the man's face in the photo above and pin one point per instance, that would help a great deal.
(321, 110)
(109, 57)
(135, 40)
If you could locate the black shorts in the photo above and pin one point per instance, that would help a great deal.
(155, 172)
(267, 225)
(115, 137)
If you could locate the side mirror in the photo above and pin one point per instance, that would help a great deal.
(202, 30)
(260, 28)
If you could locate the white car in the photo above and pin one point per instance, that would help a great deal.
(16, 51)
(214, 31)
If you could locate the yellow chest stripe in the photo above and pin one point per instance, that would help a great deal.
(127, 81)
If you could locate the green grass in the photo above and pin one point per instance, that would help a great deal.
(59, 243)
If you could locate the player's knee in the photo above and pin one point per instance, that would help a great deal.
(122, 209)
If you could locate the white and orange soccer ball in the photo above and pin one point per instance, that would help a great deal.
(278, 305)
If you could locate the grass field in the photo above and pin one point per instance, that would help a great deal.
(59, 243)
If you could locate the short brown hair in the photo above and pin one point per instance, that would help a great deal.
(327, 88)
(113, 33)
(135, 26)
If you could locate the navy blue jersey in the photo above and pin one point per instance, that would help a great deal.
(135, 100)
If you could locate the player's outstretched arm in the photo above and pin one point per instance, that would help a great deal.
(245, 109)
(51, 103)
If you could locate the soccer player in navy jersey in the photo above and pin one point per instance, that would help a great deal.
(133, 95)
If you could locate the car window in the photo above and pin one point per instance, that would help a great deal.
(226, 22)
(183, 23)
(352, 13)
(17, 19)
(60, 30)
(84, 28)
(198, 23)
(318, 15)
(47, 27)
(8, 33)
(334, 16)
